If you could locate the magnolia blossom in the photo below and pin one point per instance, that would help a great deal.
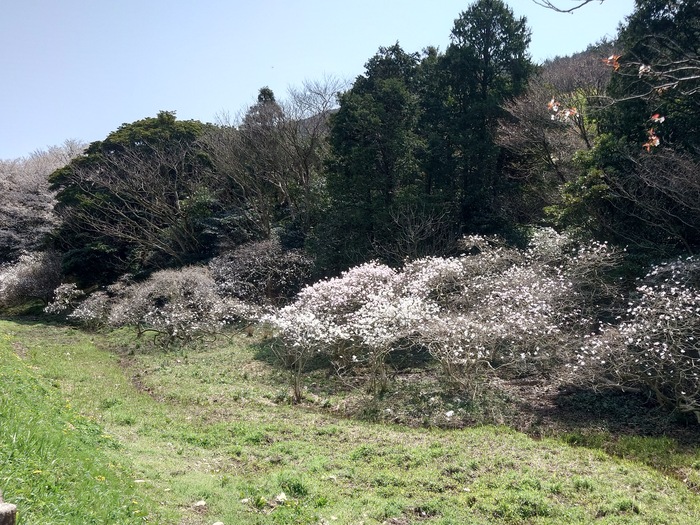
(34, 276)
(656, 344)
(472, 312)
(180, 305)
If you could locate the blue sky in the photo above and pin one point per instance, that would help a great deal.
(78, 69)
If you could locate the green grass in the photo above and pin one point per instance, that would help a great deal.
(215, 424)
(57, 465)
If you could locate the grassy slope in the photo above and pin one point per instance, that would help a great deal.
(56, 465)
(213, 425)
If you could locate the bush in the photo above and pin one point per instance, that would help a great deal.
(65, 298)
(322, 319)
(177, 305)
(500, 307)
(656, 343)
(261, 272)
(34, 276)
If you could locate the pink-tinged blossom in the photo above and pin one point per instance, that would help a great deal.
(497, 306)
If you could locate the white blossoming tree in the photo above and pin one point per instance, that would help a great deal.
(321, 319)
(178, 306)
(34, 276)
(656, 344)
(498, 308)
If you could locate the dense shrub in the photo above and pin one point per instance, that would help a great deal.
(177, 305)
(500, 307)
(261, 272)
(88, 310)
(34, 276)
(520, 311)
(656, 343)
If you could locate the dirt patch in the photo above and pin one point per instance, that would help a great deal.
(21, 350)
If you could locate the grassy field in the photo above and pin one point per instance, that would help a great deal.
(103, 429)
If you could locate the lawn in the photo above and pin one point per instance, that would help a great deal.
(102, 428)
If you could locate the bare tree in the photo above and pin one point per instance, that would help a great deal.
(270, 158)
(26, 203)
(417, 232)
(656, 64)
(144, 197)
(674, 70)
(555, 117)
(308, 109)
(243, 151)
(661, 192)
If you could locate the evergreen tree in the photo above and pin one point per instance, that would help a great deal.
(486, 64)
(373, 169)
(137, 200)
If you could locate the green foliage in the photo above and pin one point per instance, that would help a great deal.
(206, 426)
(374, 157)
(135, 201)
(413, 151)
(486, 64)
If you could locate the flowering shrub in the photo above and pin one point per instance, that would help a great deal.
(388, 321)
(65, 297)
(93, 313)
(261, 272)
(178, 305)
(500, 307)
(33, 276)
(513, 308)
(656, 344)
(320, 318)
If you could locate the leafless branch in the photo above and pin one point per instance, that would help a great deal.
(553, 5)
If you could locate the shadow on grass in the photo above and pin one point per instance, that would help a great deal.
(629, 426)
(616, 412)
(535, 407)
(33, 316)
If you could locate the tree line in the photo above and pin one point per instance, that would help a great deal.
(420, 149)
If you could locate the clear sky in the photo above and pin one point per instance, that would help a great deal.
(78, 69)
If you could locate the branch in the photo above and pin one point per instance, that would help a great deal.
(550, 5)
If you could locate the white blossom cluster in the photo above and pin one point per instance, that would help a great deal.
(65, 297)
(93, 312)
(35, 275)
(500, 306)
(320, 317)
(180, 305)
(176, 305)
(656, 344)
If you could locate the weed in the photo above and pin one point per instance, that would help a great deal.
(583, 484)
(293, 485)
